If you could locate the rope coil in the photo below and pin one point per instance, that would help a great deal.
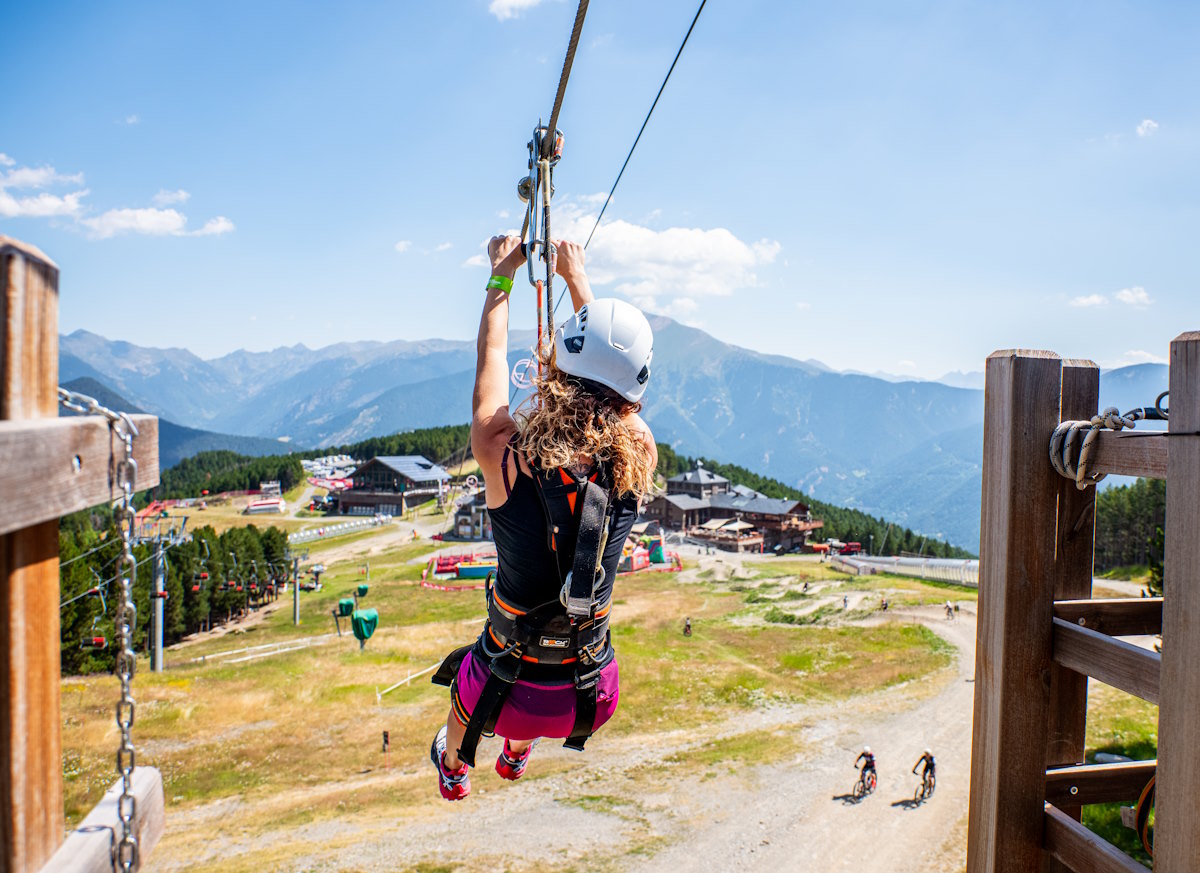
(1071, 457)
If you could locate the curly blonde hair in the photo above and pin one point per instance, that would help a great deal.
(568, 417)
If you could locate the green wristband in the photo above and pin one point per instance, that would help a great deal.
(502, 282)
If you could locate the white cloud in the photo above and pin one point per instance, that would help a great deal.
(907, 365)
(151, 222)
(131, 119)
(148, 220)
(1148, 127)
(443, 247)
(1135, 296)
(803, 305)
(37, 177)
(1138, 356)
(502, 214)
(214, 227)
(660, 269)
(403, 245)
(1090, 300)
(505, 9)
(476, 261)
(602, 40)
(170, 198)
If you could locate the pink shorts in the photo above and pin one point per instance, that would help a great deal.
(533, 710)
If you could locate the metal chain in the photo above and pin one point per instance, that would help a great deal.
(125, 853)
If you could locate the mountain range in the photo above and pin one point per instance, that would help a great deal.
(906, 450)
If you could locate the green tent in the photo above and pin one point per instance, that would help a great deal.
(345, 606)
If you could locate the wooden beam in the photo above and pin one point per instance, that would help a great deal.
(68, 464)
(1080, 850)
(88, 848)
(1016, 590)
(1066, 730)
(1130, 453)
(31, 798)
(1125, 616)
(1176, 836)
(1097, 783)
(1114, 662)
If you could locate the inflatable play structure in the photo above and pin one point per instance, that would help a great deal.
(648, 553)
(461, 566)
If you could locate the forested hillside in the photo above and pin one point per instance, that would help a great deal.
(227, 471)
(1129, 520)
(89, 546)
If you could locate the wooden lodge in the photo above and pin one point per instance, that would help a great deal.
(391, 485)
(748, 521)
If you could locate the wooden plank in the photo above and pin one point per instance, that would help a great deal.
(1124, 616)
(1114, 662)
(1016, 590)
(1066, 729)
(1130, 453)
(31, 799)
(1080, 850)
(28, 332)
(67, 465)
(88, 847)
(1176, 836)
(1097, 783)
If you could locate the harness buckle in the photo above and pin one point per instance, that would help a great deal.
(585, 681)
(504, 670)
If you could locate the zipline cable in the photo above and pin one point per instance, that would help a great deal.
(638, 138)
(645, 122)
(548, 142)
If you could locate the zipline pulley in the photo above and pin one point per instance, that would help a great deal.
(535, 190)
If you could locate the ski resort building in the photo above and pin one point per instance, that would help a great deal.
(702, 504)
(391, 485)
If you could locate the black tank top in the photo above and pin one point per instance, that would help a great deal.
(528, 570)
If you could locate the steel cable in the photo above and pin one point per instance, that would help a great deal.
(549, 140)
(638, 138)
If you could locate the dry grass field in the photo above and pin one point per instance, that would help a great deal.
(276, 763)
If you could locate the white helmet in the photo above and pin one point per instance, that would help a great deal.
(618, 353)
(866, 750)
(929, 753)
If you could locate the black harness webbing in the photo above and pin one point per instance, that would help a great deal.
(578, 517)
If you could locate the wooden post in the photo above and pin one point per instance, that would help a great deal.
(1016, 591)
(31, 802)
(1176, 835)
(1073, 564)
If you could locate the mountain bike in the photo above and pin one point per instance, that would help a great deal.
(925, 789)
(865, 784)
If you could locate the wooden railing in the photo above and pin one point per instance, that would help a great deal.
(48, 467)
(1040, 636)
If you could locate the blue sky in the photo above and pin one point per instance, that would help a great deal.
(901, 187)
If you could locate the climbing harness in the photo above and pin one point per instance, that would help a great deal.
(1070, 459)
(558, 639)
(125, 852)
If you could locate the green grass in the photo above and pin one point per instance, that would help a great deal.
(1121, 725)
(1139, 573)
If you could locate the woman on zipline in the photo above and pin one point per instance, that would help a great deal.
(563, 481)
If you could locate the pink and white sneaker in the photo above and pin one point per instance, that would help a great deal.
(454, 784)
(510, 766)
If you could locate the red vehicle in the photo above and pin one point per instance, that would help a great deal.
(852, 548)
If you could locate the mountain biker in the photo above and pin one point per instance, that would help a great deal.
(949, 610)
(868, 763)
(930, 765)
(544, 665)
